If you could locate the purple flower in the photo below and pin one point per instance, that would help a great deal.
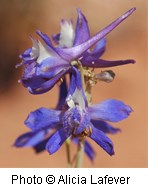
(46, 64)
(77, 120)
(38, 140)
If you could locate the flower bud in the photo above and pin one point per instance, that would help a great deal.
(106, 76)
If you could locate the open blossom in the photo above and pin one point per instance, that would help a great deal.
(77, 120)
(44, 63)
(38, 140)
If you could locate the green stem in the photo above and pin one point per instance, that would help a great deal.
(68, 152)
(80, 152)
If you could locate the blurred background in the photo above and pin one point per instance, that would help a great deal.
(18, 20)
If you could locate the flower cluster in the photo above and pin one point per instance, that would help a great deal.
(74, 118)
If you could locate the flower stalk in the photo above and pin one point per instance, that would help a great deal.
(80, 153)
(67, 143)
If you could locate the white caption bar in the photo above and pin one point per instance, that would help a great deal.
(14, 179)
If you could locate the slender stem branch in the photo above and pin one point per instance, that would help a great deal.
(68, 152)
(80, 152)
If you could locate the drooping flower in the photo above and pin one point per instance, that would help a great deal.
(46, 64)
(78, 120)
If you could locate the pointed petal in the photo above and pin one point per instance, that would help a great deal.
(62, 95)
(82, 29)
(90, 61)
(48, 84)
(89, 150)
(56, 140)
(110, 110)
(45, 38)
(77, 51)
(41, 146)
(101, 139)
(105, 127)
(43, 118)
(29, 139)
(99, 48)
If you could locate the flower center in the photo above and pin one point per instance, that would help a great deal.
(72, 119)
(76, 122)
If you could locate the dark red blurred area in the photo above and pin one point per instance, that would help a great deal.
(18, 20)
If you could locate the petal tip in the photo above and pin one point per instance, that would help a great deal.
(129, 12)
(133, 61)
(81, 15)
(133, 9)
(129, 109)
(112, 153)
(78, 10)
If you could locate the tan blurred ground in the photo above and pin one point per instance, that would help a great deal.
(129, 40)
